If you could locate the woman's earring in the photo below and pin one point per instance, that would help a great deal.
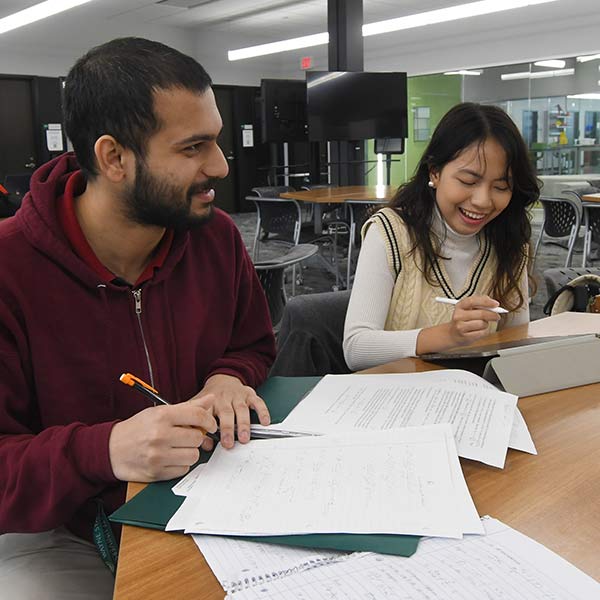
(431, 184)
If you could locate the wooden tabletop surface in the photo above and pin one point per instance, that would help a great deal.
(552, 497)
(591, 198)
(332, 195)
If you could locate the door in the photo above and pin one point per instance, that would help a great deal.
(226, 189)
(17, 141)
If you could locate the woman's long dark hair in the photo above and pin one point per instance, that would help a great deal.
(465, 125)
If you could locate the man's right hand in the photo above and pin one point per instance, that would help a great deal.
(159, 443)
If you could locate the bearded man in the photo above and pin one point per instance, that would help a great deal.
(118, 261)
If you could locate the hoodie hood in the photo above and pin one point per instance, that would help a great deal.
(41, 225)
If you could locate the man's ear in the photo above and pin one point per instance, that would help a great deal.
(112, 159)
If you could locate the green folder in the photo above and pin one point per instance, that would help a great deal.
(156, 504)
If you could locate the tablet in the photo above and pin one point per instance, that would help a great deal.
(489, 350)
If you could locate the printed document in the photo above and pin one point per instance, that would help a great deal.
(481, 416)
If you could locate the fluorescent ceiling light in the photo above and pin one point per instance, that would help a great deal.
(36, 13)
(591, 96)
(537, 74)
(463, 72)
(306, 41)
(443, 15)
(588, 57)
(554, 64)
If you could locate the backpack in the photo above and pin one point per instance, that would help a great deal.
(581, 294)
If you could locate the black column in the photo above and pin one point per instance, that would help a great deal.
(344, 22)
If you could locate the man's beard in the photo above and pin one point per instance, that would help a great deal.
(153, 202)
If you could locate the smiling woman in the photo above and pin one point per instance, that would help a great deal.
(459, 229)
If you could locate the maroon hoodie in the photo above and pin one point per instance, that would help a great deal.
(66, 337)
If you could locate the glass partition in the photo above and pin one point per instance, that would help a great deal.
(554, 103)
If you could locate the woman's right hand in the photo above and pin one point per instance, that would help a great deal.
(470, 322)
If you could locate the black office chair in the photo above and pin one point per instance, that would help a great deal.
(17, 185)
(271, 275)
(562, 220)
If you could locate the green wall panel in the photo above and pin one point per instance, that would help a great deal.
(439, 93)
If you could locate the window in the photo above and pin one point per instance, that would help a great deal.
(421, 123)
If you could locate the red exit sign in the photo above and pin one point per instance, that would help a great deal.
(306, 62)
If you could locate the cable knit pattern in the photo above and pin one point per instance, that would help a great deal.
(413, 302)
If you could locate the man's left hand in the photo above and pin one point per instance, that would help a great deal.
(230, 401)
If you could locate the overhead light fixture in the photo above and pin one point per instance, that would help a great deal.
(590, 96)
(431, 17)
(443, 15)
(537, 74)
(307, 41)
(553, 64)
(463, 72)
(37, 12)
(588, 57)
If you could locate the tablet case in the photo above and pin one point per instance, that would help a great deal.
(546, 367)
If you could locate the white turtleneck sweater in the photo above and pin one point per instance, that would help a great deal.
(366, 343)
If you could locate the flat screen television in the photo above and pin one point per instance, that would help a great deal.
(283, 110)
(356, 105)
(389, 146)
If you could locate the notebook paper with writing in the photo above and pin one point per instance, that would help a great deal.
(239, 564)
(400, 481)
(501, 564)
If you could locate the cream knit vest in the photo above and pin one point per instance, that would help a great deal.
(413, 302)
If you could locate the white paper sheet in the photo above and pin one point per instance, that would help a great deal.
(481, 417)
(405, 481)
(502, 564)
(239, 564)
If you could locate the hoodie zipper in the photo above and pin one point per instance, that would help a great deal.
(137, 295)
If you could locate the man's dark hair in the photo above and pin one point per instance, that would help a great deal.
(110, 91)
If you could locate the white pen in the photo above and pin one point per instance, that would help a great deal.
(498, 309)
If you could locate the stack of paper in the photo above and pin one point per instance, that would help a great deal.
(502, 564)
(485, 421)
(402, 481)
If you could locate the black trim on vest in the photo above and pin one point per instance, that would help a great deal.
(472, 286)
(389, 233)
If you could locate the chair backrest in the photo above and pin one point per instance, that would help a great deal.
(311, 335)
(270, 273)
(360, 211)
(279, 216)
(271, 191)
(592, 212)
(561, 215)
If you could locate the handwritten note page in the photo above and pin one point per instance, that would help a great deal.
(239, 564)
(502, 564)
(481, 417)
(405, 481)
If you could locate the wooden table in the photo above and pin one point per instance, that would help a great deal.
(590, 198)
(553, 497)
(337, 195)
